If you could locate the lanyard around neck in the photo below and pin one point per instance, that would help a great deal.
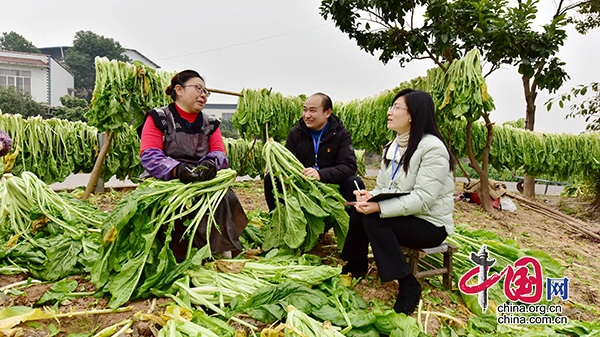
(395, 170)
(316, 144)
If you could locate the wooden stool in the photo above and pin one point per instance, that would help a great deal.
(415, 259)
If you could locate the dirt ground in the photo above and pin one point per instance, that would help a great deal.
(575, 251)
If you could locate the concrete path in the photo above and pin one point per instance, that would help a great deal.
(77, 180)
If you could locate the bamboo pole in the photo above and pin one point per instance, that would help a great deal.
(219, 91)
(574, 223)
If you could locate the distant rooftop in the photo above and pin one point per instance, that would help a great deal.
(22, 61)
(59, 53)
(221, 106)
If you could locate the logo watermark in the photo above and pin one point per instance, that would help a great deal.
(518, 286)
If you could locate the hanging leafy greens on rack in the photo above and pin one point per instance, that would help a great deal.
(53, 149)
(245, 157)
(122, 94)
(259, 110)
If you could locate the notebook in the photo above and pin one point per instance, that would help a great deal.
(380, 197)
(385, 196)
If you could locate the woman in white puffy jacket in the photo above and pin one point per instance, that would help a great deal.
(416, 162)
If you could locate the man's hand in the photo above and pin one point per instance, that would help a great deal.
(186, 173)
(311, 172)
(206, 170)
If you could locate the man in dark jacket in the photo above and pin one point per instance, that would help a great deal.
(323, 146)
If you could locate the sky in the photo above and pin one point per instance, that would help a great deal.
(285, 45)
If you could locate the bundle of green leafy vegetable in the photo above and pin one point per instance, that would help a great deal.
(556, 156)
(245, 156)
(298, 323)
(47, 234)
(132, 263)
(361, 164)
(186, 321)
(317, 291)
(123, 92)
(52, 149)
(265, 114)
(305, 208)
(504, 251)
(123, 159)
(230, 278)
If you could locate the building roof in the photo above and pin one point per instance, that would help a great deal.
(221, 106)
(59, 53)
(30, 59)
(22, 61)
(141, 57)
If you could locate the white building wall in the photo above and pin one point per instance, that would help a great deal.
(39, 80)
(49, 81)
(60, 82)
(39, 74)
(39, 84)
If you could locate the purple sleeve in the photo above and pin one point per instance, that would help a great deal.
(6, 143)
(219, 157)
(158, 164)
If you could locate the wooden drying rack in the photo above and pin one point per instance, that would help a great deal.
(219, 91)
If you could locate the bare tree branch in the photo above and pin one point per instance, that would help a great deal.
(560, 4)
(492, 69)
(570, 7)
(435, 59)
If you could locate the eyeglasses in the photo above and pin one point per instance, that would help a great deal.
(395, 107)
(198, 88)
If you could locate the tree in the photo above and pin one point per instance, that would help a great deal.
(15, 42)
(15, 101)
(227, 129)
(447, 29)
(80, 59)
(590, 110)
(587, 17)
(72, 109)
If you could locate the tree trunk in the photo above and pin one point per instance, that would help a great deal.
(482, 171)
(530, 96)
(93, 182)
(596, 203)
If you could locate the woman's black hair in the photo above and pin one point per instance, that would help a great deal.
(180, 78)
(422, 114)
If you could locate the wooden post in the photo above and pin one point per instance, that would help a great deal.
(91, 186)
(219, 91)
(100, 186)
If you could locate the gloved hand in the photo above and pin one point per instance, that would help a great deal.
(206, 170)
(187, 173)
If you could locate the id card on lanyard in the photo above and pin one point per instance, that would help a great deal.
(316, 144)
(395, 169)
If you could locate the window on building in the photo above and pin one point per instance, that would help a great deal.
(16, 78)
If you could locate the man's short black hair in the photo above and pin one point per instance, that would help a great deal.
(325, 101)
